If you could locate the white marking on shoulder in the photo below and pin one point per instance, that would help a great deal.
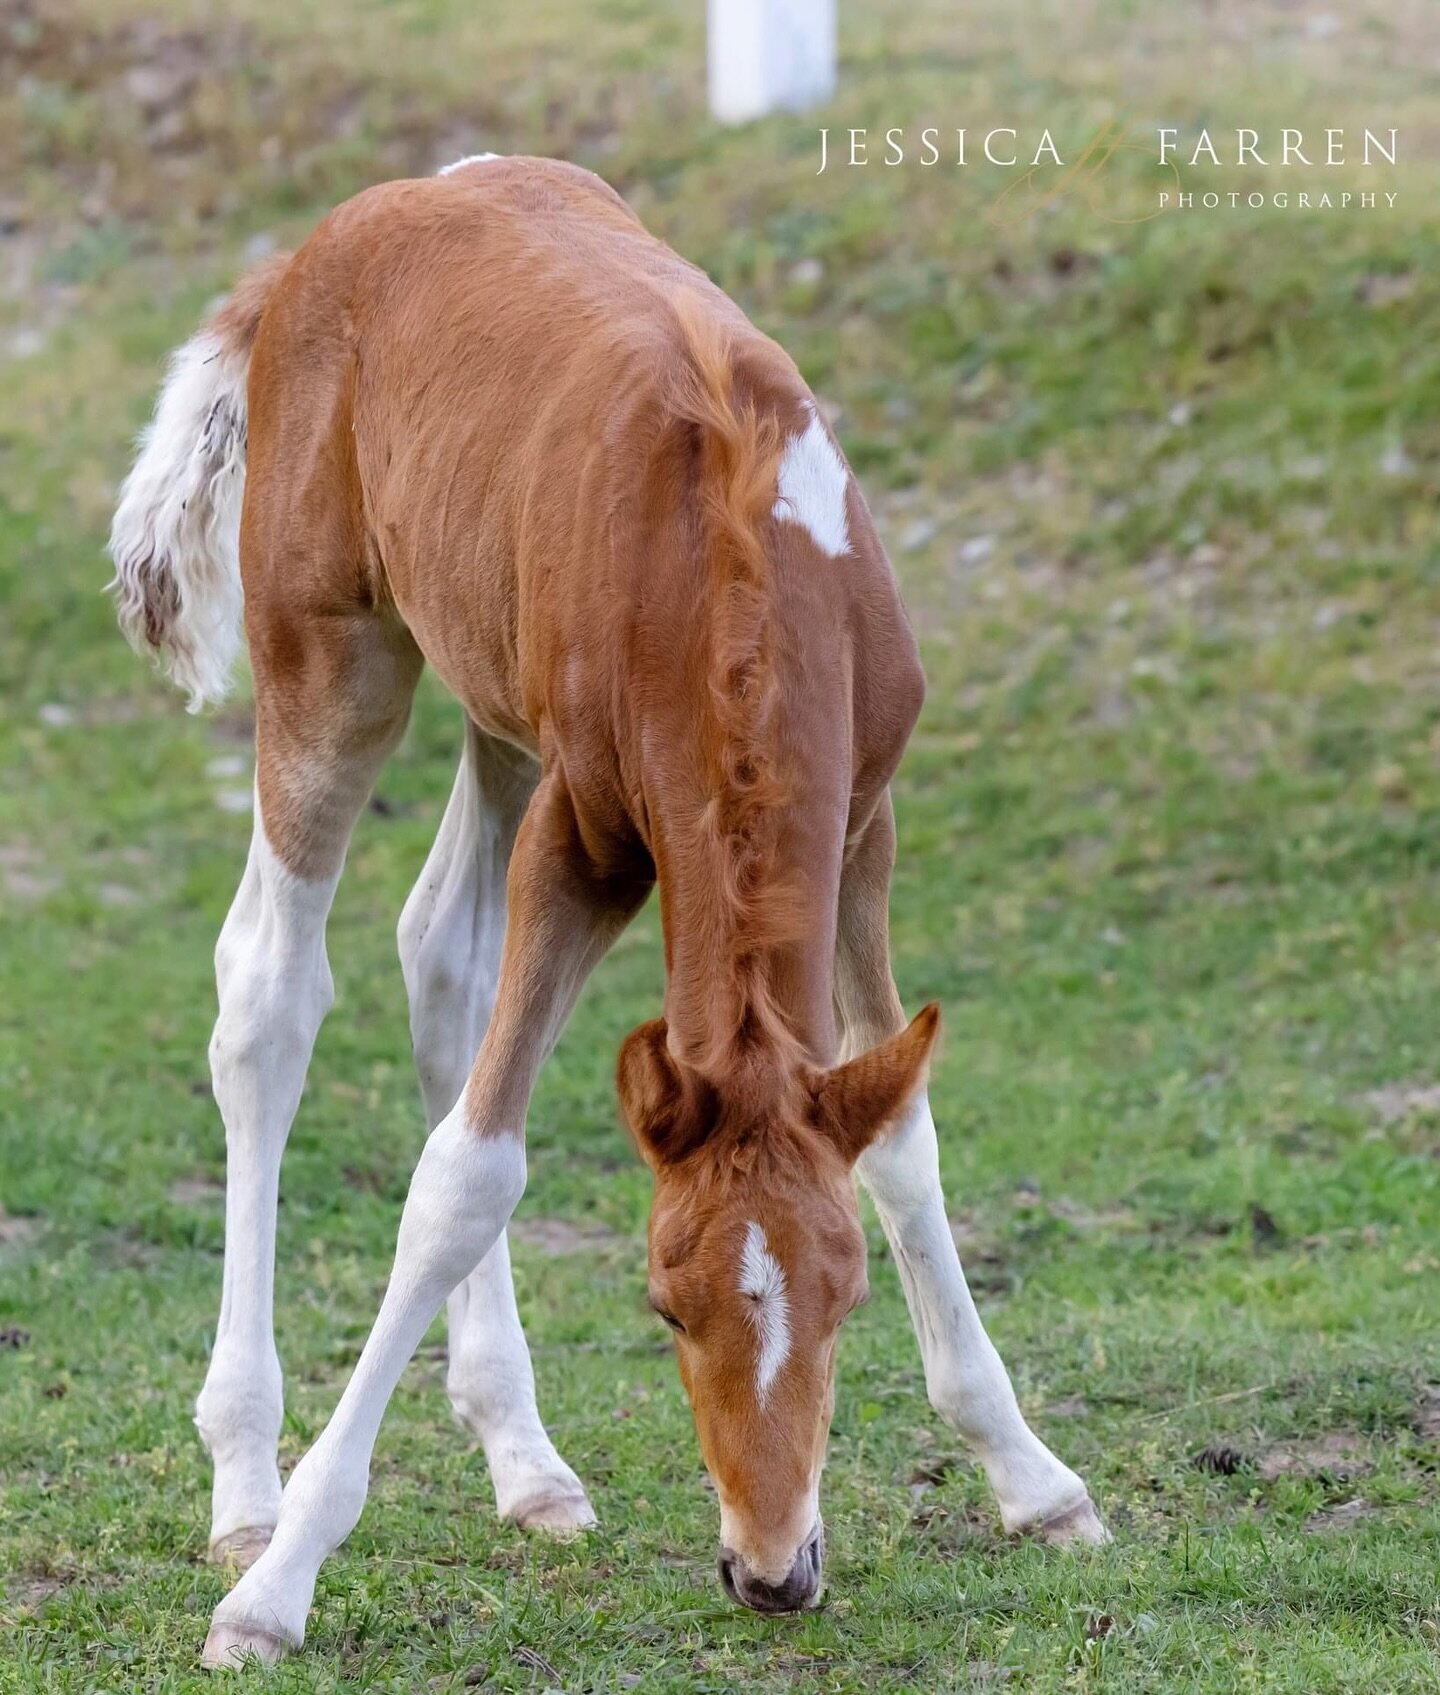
(762, 1283)
(469, 159)
(813, 481)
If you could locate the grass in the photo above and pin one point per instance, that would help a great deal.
(1163, 498)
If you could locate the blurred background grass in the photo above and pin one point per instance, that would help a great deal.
(1163, 500)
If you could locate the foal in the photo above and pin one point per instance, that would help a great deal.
(496, 426)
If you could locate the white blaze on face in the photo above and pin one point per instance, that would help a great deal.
(762, 1283)
(813, 481)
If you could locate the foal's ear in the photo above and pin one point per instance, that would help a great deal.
(859, 1099)
(662, 1107)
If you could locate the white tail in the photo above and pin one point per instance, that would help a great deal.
(176, 535)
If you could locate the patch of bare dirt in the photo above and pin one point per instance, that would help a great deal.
(1396, 1102)
(988, 1674)
(986, 1268)
(558, 1238)
(1070, 1406)
(928, 1474)
(108, 709)
(1344, 1517)
(969, 1235)
(1337, 1457)
(1384, 288)
(124, 1250)
(196, 1192)
(22, 873)
(1427, 1413)
(15, 1230)
(1083, 1217)
(27, 1594)
(233, 726)
(368, 1179)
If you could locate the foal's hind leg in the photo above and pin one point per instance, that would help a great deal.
(320, 741)
(561, 918)
(451, 934)
(964, 1376)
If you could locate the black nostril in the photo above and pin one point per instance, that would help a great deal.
(726, 1563)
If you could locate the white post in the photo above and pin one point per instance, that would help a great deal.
(769, 54)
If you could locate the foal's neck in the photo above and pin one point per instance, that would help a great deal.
(762, 976)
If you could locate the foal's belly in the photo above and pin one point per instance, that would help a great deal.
(468, 643)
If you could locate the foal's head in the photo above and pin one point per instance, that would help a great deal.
(756, 1258)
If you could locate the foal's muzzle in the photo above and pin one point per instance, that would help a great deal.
(798, 1590)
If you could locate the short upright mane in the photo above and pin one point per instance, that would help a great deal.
(754, 909)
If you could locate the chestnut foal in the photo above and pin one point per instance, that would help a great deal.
(495, 425)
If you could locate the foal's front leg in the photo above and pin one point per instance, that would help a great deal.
(964, 1376)
(471, 1174)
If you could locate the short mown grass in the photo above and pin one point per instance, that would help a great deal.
(1163, 497)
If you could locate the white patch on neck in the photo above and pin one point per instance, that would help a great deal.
(813, 481)
(469, 159)
(762, 1283)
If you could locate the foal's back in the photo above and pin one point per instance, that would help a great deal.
(473, 372)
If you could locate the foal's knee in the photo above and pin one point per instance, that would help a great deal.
(263, 1032)
(272, 974)
(971, 1392)
(466, 1185)
(450, 990)
(241, 1403)
(902, 1170)
(419, 962)
(433, 985)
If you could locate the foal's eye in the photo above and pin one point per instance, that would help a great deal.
(669, 1318)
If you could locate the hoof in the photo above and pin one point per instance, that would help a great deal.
(556, 1515)
(229, 1646)
(241, 1548)
(1079, 1526)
